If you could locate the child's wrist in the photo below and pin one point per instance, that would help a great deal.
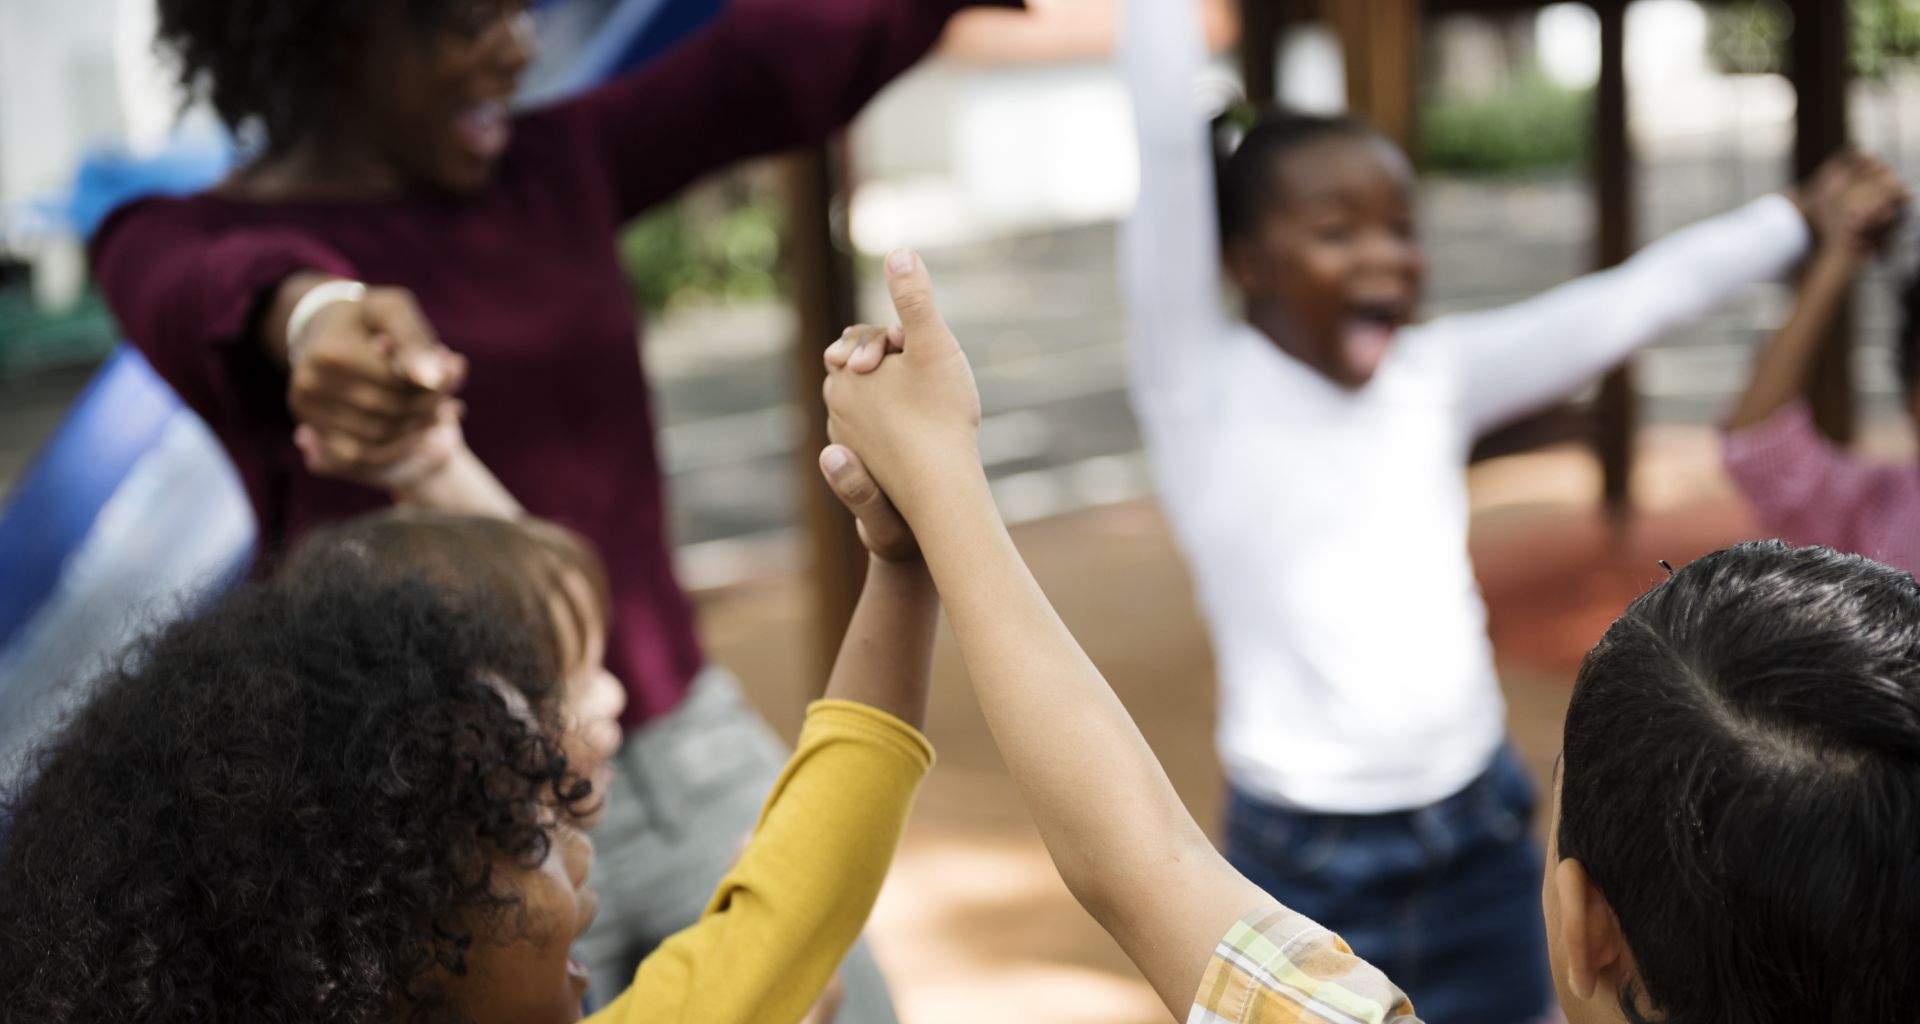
(1839, 252)
(937, 480)
(898, 575)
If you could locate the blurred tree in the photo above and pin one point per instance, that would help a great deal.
(719, 243)
(1749, 37)
(1534, 124)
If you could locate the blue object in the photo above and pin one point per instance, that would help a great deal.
(109, 180)
(585, 42)
(130, 515)
(112, 424)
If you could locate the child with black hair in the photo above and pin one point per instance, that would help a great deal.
(342, 798)
(1310, 460)
(1733, 816)
(1802, 486)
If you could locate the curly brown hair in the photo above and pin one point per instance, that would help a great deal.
(288, 809)
(547, 578)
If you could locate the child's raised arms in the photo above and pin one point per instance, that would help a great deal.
(1852, 202)
(1126, 846)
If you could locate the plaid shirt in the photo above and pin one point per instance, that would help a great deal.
(1276, 967)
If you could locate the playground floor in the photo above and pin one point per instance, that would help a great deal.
(975, 921)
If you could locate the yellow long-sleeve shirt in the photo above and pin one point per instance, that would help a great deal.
(784, 917)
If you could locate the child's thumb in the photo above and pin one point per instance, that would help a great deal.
(849, 479)
(912, 293)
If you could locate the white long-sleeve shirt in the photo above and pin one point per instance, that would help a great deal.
(1327, 529)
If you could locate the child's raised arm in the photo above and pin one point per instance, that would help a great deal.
(440, 473)
(1126, 846)
(886, 658)
(1853, 201)
(782, 919)
(1523, 357)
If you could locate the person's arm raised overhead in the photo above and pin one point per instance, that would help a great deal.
(1853, 203)
(764, 76)
(1801, 485)
(786, 914)
(1171, 241)
(1124, 843)
(1520, 358)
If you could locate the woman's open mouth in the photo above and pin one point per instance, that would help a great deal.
(485, 128)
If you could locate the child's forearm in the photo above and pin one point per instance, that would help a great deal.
(1073, 748)
(463, 485)
(887, 656)
(1781, 374)
(1123, 841)
(783, 918)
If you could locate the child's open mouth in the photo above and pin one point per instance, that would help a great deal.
(1367, 335)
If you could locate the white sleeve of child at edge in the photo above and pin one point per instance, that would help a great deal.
(1170, 248)
(1520, 358)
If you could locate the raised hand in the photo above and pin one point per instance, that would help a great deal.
(401, 466)
(862, 347)
(373, 385)
(1874, 203)
(913, 418)
(1853, 201)
(882, 530)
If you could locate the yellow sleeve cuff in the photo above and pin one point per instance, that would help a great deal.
(851, 719)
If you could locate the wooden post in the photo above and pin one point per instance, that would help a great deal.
(1614, 410)
(1820, 70)
(1261, 22)
(821, 272)
(1381, 42)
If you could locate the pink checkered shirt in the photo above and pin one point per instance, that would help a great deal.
(1807, 490)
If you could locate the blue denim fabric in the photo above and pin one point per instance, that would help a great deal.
(1445, 899)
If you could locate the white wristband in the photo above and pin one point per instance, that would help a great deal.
(316, 299)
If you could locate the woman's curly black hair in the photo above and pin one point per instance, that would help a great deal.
(287, 809)
(270, 67)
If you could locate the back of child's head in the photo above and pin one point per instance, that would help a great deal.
(289, 808)
(1742, 783)
(1248, 146)
(546, 579)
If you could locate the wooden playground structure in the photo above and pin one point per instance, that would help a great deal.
(1382, 41)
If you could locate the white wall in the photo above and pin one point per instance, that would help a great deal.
(59, 90)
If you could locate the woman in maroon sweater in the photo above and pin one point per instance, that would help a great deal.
(385, 155)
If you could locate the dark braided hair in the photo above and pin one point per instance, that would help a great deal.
(1248, 143)
(286, 810)
(270, 67)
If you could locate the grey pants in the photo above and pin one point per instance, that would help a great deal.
(687, 790)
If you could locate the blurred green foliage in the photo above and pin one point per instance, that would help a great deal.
(32, 338)
(1750, 36)
(1532, 125)
(720, 244)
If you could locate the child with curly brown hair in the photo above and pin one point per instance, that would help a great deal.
(341, 797)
